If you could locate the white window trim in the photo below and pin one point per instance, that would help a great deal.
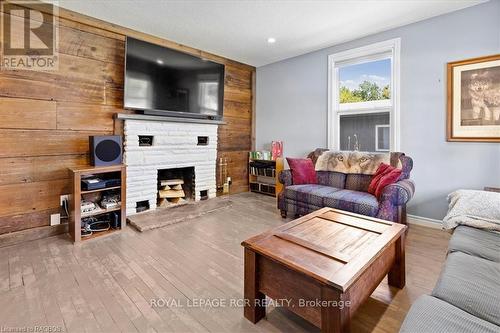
(369, 51)
(376, 137)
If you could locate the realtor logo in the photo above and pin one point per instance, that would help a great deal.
(29, 36)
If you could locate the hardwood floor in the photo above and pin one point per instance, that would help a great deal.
(108, 284)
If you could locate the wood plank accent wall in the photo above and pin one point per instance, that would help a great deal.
(46, 117)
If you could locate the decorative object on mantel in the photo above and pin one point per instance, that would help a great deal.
(192, 210)
(474, 100)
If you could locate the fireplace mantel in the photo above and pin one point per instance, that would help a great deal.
(124, 116)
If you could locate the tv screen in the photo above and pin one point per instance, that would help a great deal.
(163, 81)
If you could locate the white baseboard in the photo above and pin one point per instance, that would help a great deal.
(424, 221)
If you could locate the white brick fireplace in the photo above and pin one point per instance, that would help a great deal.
(174, 145)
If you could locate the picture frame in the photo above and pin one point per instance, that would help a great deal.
(473, 100)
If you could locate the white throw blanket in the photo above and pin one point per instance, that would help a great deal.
(478, 209)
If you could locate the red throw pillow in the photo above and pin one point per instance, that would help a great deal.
(385, 175)
(302, 171)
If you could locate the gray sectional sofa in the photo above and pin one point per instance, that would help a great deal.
(467, 295)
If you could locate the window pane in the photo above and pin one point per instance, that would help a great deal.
(382, 137)
(369, 81)
(357, 132)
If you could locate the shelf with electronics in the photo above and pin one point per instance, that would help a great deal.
(97, 201)
(263, 172)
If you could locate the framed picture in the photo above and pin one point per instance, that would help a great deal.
(474, 100)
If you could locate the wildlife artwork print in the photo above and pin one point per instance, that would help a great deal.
(480, 102)
(474, 100)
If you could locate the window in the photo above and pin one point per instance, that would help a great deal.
(363, 99)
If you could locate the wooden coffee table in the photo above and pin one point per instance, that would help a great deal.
(322, 266)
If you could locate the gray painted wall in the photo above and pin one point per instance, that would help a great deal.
(292, 103)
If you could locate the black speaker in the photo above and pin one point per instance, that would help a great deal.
(105, 150)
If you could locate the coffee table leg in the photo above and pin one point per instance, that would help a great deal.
(254, 307)
(334, 319)
(397, 274)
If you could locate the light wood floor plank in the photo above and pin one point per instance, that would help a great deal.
(108, 284)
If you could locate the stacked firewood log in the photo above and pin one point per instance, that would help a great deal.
(171, 192)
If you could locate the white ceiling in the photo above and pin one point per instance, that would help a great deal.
(239, 29)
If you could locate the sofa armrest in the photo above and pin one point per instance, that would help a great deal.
(399, 193)
(285, 177)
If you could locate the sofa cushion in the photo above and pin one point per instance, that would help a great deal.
(385, 175)
(354, 201)
(331, 178)
(302, 170)
(431, 315)
(476, 242)
(471, 284)
(357, 182)
(309, 193)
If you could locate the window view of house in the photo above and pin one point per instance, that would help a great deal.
(363, 102)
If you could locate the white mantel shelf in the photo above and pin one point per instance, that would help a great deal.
(125, 116)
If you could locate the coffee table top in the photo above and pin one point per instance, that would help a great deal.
(330, 245)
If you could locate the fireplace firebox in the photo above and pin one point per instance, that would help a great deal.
(175, 186)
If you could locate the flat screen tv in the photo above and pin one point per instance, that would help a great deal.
(162, 81)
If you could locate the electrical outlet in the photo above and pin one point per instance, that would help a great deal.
(55, 219)
(64, 197)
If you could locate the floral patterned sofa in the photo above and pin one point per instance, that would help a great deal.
(348, 191)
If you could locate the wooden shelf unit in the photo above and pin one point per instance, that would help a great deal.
(266, 183)
(76, 215)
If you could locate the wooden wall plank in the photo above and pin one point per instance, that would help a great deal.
(88, 45)
(237, 109)
(236, 123)
(51, 88)
(29, 197)
(22, 143)
(237, 77)
(17, 170)
(77, 70)
(80, 43)
(234, 140)
(86, 117)
(24, 221)
(90, 29)
(238, 95)
(27, 113)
